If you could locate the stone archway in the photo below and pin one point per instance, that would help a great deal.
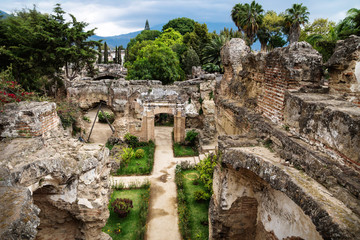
(151, 109)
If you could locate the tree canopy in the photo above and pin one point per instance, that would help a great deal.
(182, 25)
(38, 46)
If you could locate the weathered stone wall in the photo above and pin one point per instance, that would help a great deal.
(278, 100)
(344, 69)
(62, 177)
(257, 194)
(28, 119)
(136, 103)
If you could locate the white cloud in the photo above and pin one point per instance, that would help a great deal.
(112, 17)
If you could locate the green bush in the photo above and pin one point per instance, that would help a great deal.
(201, 196)
(131, 140)
(191, 137)
(206, 169)
(109, 116)
(139, 153)
(68, 113)
(121, 206)
(127, 155)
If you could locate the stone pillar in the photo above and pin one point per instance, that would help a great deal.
(179, 127)
(150, 129)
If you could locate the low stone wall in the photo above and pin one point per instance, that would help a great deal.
(28, 119)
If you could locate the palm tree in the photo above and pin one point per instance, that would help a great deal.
(211, 51)
(296, 16)
(350, 25)
(248, 18)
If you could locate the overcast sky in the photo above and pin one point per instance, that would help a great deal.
(112, 17)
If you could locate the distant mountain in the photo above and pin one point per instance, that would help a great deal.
(3, 14)
(124, 39)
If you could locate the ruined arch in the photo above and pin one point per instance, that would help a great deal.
(107, 75)
(153, 108)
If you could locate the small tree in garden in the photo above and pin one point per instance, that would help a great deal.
(121, 206)
(192, 137)
(206, 169)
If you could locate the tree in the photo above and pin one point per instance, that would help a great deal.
(183, 25)
(294, 17)
(190, 59)
(147, 26)
(143, 36)
(156, 61)
(170, 37)
(211, 52)
(99, 55)
(350, 25)
(198, 38)
(248, 18)
(106, 54)
(39, 45)
(269, 33)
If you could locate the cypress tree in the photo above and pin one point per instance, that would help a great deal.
(120, 60)
(147, 26)
(116, 55)
(100, 54)
(106, 58)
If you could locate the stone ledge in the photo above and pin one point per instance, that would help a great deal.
(330, 216)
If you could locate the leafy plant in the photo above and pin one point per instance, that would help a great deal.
(211, 95)
(139, 153)
(192, 137)
(87, 119)
(121, 206)
(201, 195)
(131, 140)
(127, 155)
(206, 169)
(68, 113)
(109, 116)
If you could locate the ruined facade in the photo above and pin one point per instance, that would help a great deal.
(52, 186)
(135, 104)
(289, 165)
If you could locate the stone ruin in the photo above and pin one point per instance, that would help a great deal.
(289, 143)
(52, 186)
(288, 140)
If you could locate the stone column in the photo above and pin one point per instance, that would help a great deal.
(150, 129)
(179, 127)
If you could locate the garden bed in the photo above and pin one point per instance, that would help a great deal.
(181, 150)
(193, 215)
(141, 166)
(133, 226)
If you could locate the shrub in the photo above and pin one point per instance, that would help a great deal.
(201, 196)
(127, 155)
(121, 206)
(131, 140)
(191, 137)
(109, 116)
(206, 169)
(68, 113)
(87, 119)
(139, 153)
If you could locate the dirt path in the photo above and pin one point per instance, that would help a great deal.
(101, 131)
(163, 218)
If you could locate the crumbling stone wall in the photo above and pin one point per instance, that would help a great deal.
(66, 178)
(344, 69)
(279, 101)
(28, 119)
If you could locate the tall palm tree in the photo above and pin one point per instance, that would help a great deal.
(248, 18)
(296, 16)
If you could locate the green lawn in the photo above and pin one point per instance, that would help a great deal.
(140, 166)
(133, 226)
(198, 212)
(184, 151)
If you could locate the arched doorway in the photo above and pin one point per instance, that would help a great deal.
(174, 109)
